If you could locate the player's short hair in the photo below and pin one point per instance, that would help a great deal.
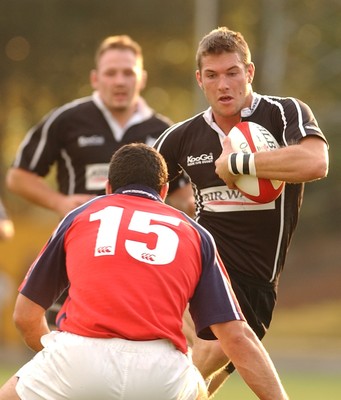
(223, 40)
(120, 42)
(137, 163)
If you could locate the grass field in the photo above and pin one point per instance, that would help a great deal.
(300, 386)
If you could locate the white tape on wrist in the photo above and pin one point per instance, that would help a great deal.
(252, 165)
(241, 164)
(232, 163)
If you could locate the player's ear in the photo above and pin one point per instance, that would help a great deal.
(251, 72)
(164, 191)
(144, 77)
(93, 78)
(108, 188)
(198, 78)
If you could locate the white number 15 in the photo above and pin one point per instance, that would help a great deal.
(166, 244)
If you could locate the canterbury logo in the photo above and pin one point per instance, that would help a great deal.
(104, 249)
(148, 256)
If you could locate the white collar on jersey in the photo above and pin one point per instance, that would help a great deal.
(208, 117)
(142, 113)
(246, 112)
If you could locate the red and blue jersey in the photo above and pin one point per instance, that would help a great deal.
(132, 263)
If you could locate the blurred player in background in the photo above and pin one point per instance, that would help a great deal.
(6, 224)
(132, 263)
(80, 137)
(6, 284)
(252, 238)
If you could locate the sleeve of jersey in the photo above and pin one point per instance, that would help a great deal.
(300, 121)
(167, 144)
(214, 300)
(39, 149)
(47, 278)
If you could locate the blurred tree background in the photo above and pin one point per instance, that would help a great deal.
(47, 51)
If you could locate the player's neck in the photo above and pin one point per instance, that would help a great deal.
(123, 116)
(226, 123)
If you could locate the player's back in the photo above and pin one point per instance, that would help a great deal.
(133, 263)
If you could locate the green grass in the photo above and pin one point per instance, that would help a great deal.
(299, 386)
(6, 373)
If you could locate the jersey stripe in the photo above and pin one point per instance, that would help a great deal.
(47, 125)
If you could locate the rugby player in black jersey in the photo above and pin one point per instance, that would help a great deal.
(252, 238)
(80, 137)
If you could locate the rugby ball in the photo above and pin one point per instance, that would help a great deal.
(249, 137)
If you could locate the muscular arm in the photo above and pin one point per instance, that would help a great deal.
(30, 320)
(250, 358)
(35, 189)
(303, 162)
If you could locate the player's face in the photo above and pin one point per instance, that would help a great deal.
(226, 83)
(119, 79)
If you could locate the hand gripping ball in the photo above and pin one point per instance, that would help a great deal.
(249, 137)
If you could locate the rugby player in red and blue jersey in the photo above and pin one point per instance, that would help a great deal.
(132, 264)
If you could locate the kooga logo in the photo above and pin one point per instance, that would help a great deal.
(202, 159)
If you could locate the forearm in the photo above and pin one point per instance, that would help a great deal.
(258, 372)
(251, 360)
(33, 188)
(294, 164)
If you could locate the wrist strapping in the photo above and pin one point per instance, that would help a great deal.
(241, 164)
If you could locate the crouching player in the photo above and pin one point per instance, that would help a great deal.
(131, 263)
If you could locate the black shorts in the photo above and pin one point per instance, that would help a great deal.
(257, 301)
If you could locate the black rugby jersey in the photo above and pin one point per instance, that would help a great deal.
(80, 139)
(252, 238)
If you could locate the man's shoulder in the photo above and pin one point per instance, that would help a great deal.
(270, 107)
(74, 107)
(158, 121)
(189, 124)
(181, 130)
(280, 101)
(162, 119)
